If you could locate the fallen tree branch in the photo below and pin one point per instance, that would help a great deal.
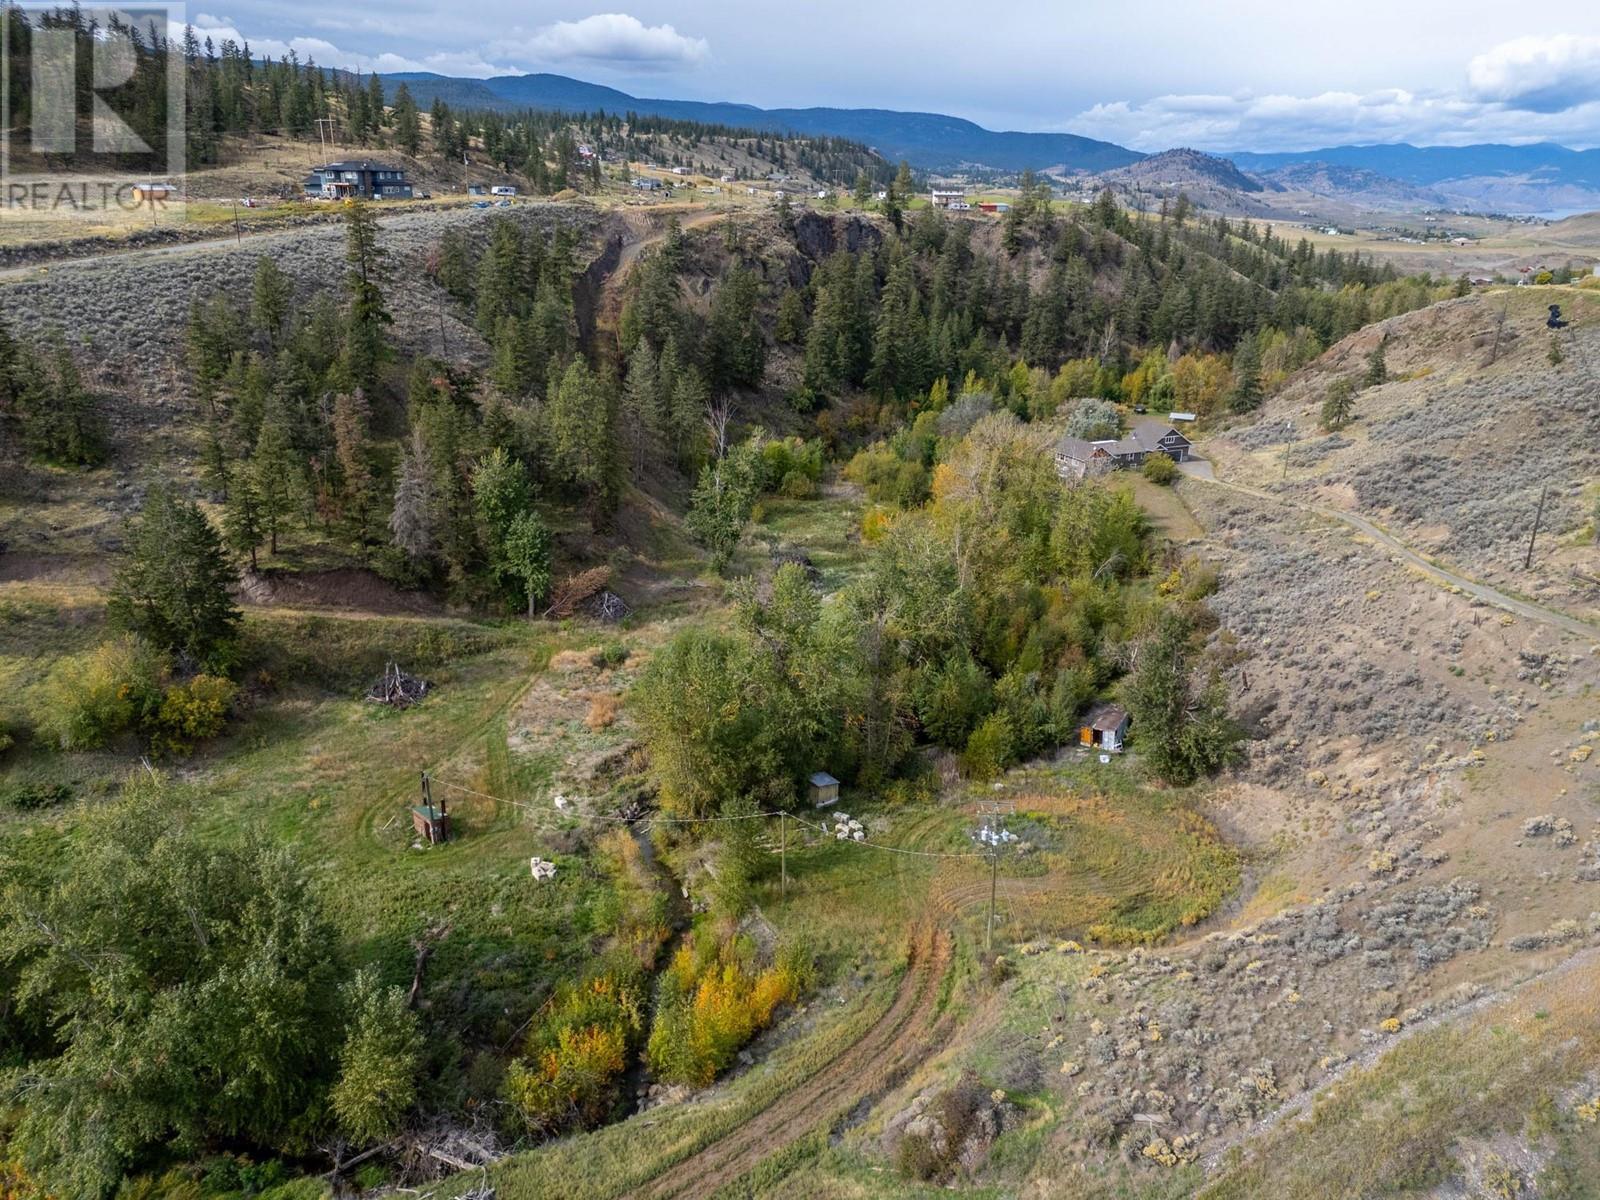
(339, 1168)
(423, 946)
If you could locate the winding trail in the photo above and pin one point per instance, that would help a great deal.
(1201, 469)
(880, 1059)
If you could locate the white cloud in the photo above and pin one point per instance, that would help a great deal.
(1527, 90)
(466, 64)
(615, 39)
(1539, 74)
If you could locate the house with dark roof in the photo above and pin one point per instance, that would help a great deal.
(357, 179)
(1076, 458)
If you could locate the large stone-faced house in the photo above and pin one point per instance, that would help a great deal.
(1076, 458)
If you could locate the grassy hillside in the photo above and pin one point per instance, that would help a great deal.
(1457, 446)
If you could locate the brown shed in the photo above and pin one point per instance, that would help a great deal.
(432, 824)
(1105, 726)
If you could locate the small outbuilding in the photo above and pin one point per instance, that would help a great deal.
(431, 823)
(154, 193)
(1106, 727)
(824, 790)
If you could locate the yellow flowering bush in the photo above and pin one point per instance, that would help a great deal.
(713, 1000)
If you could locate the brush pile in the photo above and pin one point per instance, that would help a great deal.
(397, 689)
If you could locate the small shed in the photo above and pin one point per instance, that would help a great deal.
(154, 193)
(824, 790)
(432, 824)
(1105, 726)
(477, 189)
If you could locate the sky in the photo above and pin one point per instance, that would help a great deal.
(1212, 74)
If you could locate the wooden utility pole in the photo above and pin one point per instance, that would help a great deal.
(1527, 559)
(993, 835)
(994, 883)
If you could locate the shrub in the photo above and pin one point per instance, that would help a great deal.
(90, 698)
(192, 712)
(712, 1001)
(29, 793)
(1094, 419)
(1159, 468)
(875, 522)
(572, 1072)
(612, 654)
(603, 709)
(797, 485)
(916, 1158)
(990, 748)
(378, 1063)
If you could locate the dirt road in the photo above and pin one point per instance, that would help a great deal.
(905, 1035)
(1202, 470)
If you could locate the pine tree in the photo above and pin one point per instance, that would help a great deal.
(1246, 395)
(62, 422)
(365, 344)
(375, 107)
(1339, 406)
(642, 410)
(407, 122)
(352, 439)
(276, 476)
(735, 352)
(581, 418)
(689, 403)
(271, 293)
(241, 517)
(172, 588)
(790, 329)
(1183, 733)
(903, 186)
(900, 350)
(1377, 367)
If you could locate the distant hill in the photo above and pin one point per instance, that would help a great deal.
(928, 141)
(1537, 178)
(1185, 170)
(1355, 184)
(1427, 165)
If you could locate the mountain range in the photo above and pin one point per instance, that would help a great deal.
(1532, 178)
(930, 141)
